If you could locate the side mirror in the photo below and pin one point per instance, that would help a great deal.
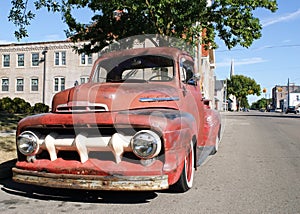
(194, 79)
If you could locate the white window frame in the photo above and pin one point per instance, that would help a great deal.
(60, 58)
(18, 60)
(4, 85)
(86, 59)
(82, 59)
(19, 85)
(59, 84)
(90, 59)
(84, 79)
(4, 61)
(33, 86)
(35, 63)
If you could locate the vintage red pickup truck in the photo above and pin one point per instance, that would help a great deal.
(140, 123)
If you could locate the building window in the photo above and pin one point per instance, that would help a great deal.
(60, 58)
(6, 60)
(20, 84)
(84, 80)
(34, 84)
(86, 59)
(82, 59)
(20, 60)
(59, 83)
(63, 58)
(90, 59)
(5, 84)
(297, 97)
(35, 58)
(56, 58)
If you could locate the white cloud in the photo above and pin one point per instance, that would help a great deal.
(286, 41)
(53, 37)
(246, 61)
(283, 18)
(4, 42)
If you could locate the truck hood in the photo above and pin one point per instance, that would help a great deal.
(115, 97)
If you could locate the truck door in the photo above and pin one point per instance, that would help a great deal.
(191, 92)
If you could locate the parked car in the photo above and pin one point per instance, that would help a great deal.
(291, 109)
(140, 123)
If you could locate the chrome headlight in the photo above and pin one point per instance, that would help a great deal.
(146, 144)
(27, 143)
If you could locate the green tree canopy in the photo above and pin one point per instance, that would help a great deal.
(231, 20)
(241, 86)
(261, 103)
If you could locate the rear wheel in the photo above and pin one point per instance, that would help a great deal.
(185, 181)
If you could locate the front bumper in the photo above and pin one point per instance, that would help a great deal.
(91, 182)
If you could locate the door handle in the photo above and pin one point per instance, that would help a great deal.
(184, 91)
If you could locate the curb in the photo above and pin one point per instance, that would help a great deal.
(5, 169)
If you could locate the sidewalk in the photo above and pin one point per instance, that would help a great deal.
(7, 133)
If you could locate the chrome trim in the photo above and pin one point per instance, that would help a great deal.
(82, 143)
(158, 99)
(81, 106)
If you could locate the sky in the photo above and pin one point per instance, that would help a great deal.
(270, 61)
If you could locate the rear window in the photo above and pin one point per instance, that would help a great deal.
(135, 69)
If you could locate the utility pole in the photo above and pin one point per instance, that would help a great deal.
(288, 95)
(44, 74)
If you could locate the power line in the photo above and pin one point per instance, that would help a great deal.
(261, 48)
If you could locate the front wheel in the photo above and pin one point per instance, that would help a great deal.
(186, 178)
(216, 146)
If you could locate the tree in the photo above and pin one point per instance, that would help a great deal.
(244, 103)
(261, 104)
(233, 21)
(241, 86)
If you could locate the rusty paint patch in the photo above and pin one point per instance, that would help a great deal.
(90, 182)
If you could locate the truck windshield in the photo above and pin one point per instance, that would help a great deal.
(135, 69)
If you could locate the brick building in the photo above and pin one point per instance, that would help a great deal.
(280, 96)
(36, 71)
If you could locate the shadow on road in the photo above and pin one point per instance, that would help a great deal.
(263, 114)
(70, 195)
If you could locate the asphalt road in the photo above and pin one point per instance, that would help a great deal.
(257, 170)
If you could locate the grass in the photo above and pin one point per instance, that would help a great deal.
(8, 125)
(9, 122)
(7, 144)
(7, 148)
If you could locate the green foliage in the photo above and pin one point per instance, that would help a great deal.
(241, 86)
(7, 105)
(261, 103)
(244, 102)
(20, 106)
(40, 108)
(233, 21)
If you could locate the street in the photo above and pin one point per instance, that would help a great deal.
(256, 170)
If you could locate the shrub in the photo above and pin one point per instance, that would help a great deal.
(40, 108)
(19, 105)
(8, 105)
(22, 106)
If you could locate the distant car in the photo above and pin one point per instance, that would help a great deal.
(245, 109)
(291, 109)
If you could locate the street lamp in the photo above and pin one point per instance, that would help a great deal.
(44, 73)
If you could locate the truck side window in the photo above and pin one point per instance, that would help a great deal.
(186, 70)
